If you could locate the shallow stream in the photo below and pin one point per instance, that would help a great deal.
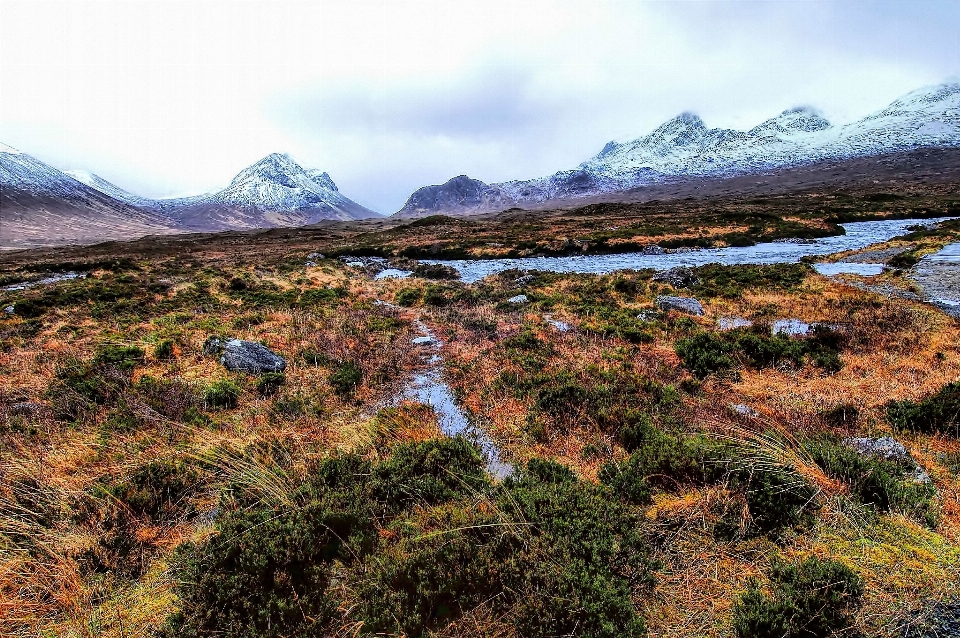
(858, 235)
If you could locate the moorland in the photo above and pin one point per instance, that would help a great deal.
(671, 476)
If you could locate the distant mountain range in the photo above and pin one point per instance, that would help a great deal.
(684, 148)
(41, 205)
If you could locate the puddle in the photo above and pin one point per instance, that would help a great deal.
(730, 323)
(790, 327)
(858, 235)
(429, 388)
(393, 273)
(848, 268)
(47, 280)
(939, 277)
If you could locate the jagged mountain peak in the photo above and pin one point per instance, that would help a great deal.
(798, 119)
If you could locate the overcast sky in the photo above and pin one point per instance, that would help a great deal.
(170, 98)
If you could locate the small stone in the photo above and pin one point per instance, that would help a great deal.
(523, 280)
(688, 305)
(9, 310)
(424, 340)
(653, 249)
(647, 316)
(252, 357)
(518, 299)
(743, 409)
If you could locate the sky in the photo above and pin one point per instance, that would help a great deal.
(168, 98)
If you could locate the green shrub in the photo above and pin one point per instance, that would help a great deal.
(435, 271)
(345, 377)
(321, 297)
(939, 412)
(730, 281)
(123, 357)
(404, 539)
(407, 297)
(222, 394)
(435, 295)
(813, 599)
(163, 349)
(270, 382)
(704, 353)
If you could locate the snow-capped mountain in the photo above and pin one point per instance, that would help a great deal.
(275, 191)
(685, 148)
(40, 205)
(40, 201)
(277, 184)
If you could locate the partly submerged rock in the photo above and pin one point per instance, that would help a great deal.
(688, 305)
(678, 277)
(252, 357)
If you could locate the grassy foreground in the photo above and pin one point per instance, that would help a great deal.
(672, 479)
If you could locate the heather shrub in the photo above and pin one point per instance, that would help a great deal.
(345, 377)
(812, 599)
(939, 412)
(222, 394)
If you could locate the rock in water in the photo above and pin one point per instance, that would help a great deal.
(688, 305)
(248, 356)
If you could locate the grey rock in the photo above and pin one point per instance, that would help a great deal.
(424, 340)
(688, 305)
(885, 447)
(213, 346)
(653, 249)
(9, 310)
(252, 357)
(888, 448)
(518, 299)
(678, 277)
(523, 280)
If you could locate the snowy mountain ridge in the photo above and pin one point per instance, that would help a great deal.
(684, 147)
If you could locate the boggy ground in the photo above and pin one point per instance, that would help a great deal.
(672, 479)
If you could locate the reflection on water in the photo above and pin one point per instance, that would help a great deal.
(846, 268)
(429, 388)
(858, 235)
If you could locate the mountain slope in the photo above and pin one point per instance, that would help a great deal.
(42, 206)
(684, 148)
